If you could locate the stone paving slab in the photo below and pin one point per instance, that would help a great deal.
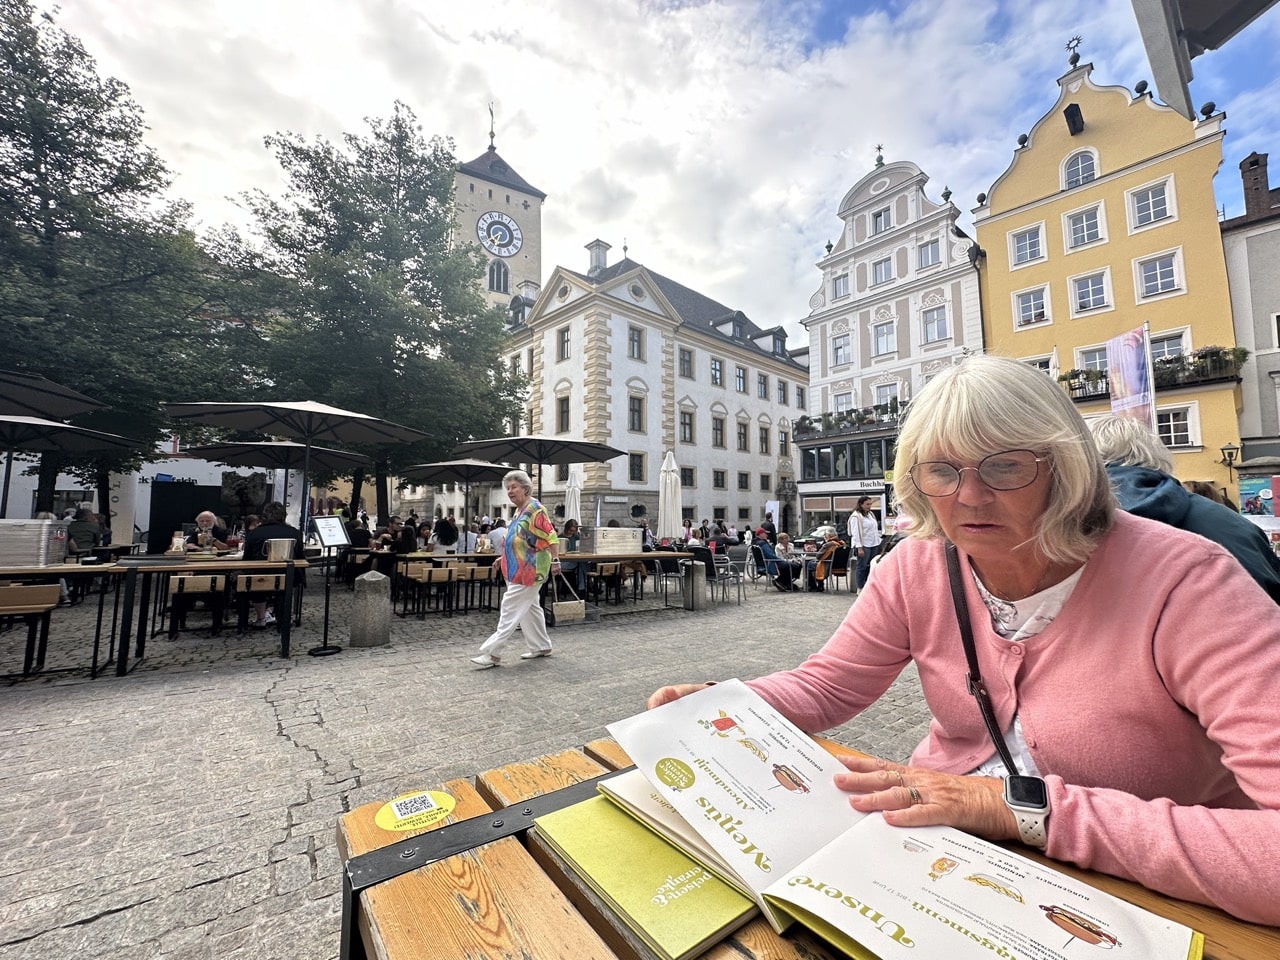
(189, 809)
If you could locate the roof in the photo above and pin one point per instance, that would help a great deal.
(491, 168)
(692, 308)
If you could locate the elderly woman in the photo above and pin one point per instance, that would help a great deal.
(530, 552)
(1132, 669)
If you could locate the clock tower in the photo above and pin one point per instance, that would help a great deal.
(502, 212)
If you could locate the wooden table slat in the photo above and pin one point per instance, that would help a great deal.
(519, 781)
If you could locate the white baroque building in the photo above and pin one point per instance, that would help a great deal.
(898, 301)
(626, 356)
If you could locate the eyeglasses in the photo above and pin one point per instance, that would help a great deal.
(1008, 470)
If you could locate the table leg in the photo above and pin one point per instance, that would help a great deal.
(287, 622)
(126, 621)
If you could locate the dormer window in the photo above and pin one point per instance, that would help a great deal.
(1080, 168)
(779, 344)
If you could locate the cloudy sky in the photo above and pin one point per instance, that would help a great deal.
(716, 137)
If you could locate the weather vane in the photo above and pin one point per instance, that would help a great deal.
(1074, 43)
(879, 154)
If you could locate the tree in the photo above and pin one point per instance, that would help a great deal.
(377, 307)
(102, 285)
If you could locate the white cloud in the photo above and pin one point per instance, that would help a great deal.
(716, 136)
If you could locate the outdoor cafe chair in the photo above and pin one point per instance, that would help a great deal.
(726, 573)
(603, 580)
(840, 568)
(188, 590)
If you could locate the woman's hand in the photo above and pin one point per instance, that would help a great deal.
(672, 693)
(915, 797)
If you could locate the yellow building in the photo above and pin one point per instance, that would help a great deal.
(1106, 220)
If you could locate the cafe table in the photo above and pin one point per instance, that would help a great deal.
(73, 572)
(139, 577)
(651, 559)
(477, 884)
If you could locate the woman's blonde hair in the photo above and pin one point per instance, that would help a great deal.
(987, 404)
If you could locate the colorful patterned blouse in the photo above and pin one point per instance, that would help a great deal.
(526, 557)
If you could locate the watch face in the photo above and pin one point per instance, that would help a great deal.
(1026, 792)
(499, 234)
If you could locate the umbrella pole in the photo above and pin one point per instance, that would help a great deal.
(8, 472)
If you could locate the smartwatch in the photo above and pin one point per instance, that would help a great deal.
(1028, 798)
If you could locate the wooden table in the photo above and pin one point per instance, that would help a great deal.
(507, 899)
(74, 571)
(653, 557)
(146, 573)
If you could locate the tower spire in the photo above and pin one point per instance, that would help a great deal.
(491, 146)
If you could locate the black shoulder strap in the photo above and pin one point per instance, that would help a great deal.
(974, 678)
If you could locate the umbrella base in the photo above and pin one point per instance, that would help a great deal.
(324, 651)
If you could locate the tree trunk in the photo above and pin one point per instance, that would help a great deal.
(383, 500)
(357, 481)
(47, 482)
(102, 482)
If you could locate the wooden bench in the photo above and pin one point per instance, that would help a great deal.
(33, 604)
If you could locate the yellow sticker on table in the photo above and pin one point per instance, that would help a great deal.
(413, 811)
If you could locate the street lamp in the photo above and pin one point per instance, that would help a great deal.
(1228, 460)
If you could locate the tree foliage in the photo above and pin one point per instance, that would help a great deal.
(377, 308)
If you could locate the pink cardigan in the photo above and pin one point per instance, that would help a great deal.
(1151, 705)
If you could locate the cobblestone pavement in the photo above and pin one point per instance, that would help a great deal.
(189, 809)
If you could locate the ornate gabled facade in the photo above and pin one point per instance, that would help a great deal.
(626, 356)
(899, 301)
(1106, 220)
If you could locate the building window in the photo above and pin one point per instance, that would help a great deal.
(1158, 275)
(686, 426)
(1170, 346)
(840, 352)
(1043, 364)
(1094, 358)
(635, 414)
(744, 442)
(515, 364)
(744, 481)
(686, 363)
(840, 286)
(784, 443)
(782, 392)
(762, 386)
(740, 379)
(562, 350)
(935, 324)
(1090, 291)
(1150, 204)
(766, 481)
(562, 414)
(800, 396)
(882, 337)
(844, 402)
(717, 432)
(1080, 169)
(1030, 307)
(881, 220)
(1082, 227)
(882, 270)
(686, 477)
(1174, 427)
(886, 394)
(764, 440)
(499, 277)
(635, 467)
(930, 254)
(562, 472)
(1026, 245)
(635, 343)
(717, 372)
(719, 479)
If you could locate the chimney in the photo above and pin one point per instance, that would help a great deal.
(599, 257)
(1257, 188)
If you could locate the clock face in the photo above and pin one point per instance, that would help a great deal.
(499, 234)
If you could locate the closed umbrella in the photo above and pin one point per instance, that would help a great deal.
(538, 450)
(303, 420)
(465, 472)
(31, 395)
(573, 494)
(39, 436)
(670, 507)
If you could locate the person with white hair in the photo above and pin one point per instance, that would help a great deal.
(1103, 687)
(530, 553)
(1141, 468)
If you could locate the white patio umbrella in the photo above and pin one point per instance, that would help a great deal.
(669, 500)
(573, 494)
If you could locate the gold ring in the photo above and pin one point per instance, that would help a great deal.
(898, 774)
(915, 796)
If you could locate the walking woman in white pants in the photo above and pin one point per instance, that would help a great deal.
(530, 553)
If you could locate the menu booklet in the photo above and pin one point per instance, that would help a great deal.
(751, 797)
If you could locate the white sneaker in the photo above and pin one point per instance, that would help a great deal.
(534, 654)
(484, 661)
(267, 620)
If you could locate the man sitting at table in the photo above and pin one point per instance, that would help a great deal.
(83, 533)
(208, 532)
(784, 572)
(272, 527)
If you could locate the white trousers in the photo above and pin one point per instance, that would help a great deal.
(519, 608)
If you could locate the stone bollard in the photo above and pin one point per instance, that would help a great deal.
(371, 611)
(695, 585)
